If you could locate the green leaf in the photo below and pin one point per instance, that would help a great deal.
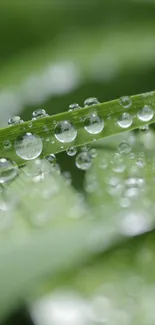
(44, 127)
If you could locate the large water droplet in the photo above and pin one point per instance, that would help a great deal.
(125, 101)
(93, 124)
(71, 151)
(124, 148)
(91, 101)
(83, 160)
(8, 170)
(38, 114)
(14, 120)
(65, 132)
(145, 114)
(125, 120)
(28, 146)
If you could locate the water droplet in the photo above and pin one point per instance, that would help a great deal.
(140, 162)
(28, 146)
(30, 124)
(124, 148)
(93, 153)
(144, 128)
(38, 114)
(52, 159)
(125, 101)
(68, 177)
(145, 114)
(8, 170)
(74, 107)
(93, 124)
(65, 132)
(125, 120)
(118, 163)
(91, 101)
(7, 144)
(14, 120)
(71, 151)
(83, 160)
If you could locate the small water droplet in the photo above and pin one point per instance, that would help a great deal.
(124, 148)
(52, 159)
(145, 114)
(144, 128)
(30, 124)
(83, 160)
(71, 151)
(93, 153)
(7, 144)
(74, 107)
(8, 170)
(118, 164)
(91, 101)
(65, 132)
(28, 146)
(93, 124)
(125, 120)
(15, 120)
(39, 113)
(68, 177)
(125, 101)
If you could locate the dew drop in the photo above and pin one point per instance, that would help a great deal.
(145, 114)
(71, 151)
(38, 114)
(125, 101)
(74, 107)
(83, 160)
(93, 153)
(91, 101)
(118, 164)
(144, 128)
(65, 132)
(93, 124)
(7, 144)
(125, 120)
(14, 120)
(52, 159)
(28, 146)
(124, 148)
(8, 170)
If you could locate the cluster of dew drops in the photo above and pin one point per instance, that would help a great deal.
(29, 146)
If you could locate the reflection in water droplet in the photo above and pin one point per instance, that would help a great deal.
(125, 120)
(145, 114)
(125, 101)
(38, 114)
(83, 160)
(28, 146)
(65, 132)
(91, 101)
(93, 124)
(71, 151)
(8, 170)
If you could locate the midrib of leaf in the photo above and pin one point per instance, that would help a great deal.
(109, 111)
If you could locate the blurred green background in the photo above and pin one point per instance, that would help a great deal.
(57, 52)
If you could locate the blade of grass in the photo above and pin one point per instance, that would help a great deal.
(44, 127)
